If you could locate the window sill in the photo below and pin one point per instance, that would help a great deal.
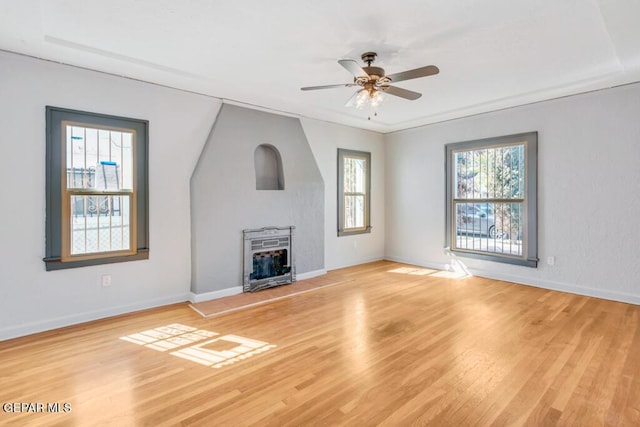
(496, 258)
(56, 263)
(342, 233)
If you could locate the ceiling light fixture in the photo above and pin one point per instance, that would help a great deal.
(368, 98)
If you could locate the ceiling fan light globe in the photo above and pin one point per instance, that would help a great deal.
(377, 99)
(362, 99)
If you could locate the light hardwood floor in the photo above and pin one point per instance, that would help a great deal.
(396, 346)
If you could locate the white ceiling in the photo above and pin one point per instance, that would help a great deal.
(492, 54)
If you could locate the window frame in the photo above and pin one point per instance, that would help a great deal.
(529, 255)
(57, 248)
(366, 156)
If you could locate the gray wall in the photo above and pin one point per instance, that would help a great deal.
(588, 192)
(224, 199)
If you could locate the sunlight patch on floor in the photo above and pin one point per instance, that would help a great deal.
(415, 271)
(455, 270)
(186, 342)
(451, 274)
(243, 349)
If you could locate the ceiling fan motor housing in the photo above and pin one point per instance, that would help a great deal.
(374, 72)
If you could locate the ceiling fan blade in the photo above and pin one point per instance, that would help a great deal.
(352, 101)
(328, 86)
(402, 93)
(429, 70)
(353, 67)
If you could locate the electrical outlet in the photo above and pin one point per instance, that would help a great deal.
(551, 260)
(106, 280)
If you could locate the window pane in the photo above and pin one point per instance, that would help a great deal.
(354, 175)
(354, 211)
(497, 172)
(99, 158)
(489, 227)
(100, 224)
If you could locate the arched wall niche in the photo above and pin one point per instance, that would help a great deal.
(268, 167)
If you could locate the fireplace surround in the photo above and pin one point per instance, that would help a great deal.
(268, 258)
(222, 208)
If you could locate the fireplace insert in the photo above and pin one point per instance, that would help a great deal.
(268, 258)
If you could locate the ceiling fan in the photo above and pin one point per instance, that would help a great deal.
(373, 81)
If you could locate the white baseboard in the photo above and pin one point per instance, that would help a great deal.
(193, 297)
(311, 274)
(531, 281)
(560, 286)
(88, 316)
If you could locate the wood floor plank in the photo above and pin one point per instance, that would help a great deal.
(395, 345)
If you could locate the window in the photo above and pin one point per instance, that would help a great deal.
(354, 186)
(492, 199)
(96, 189)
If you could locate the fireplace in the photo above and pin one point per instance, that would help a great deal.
(268, 258)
